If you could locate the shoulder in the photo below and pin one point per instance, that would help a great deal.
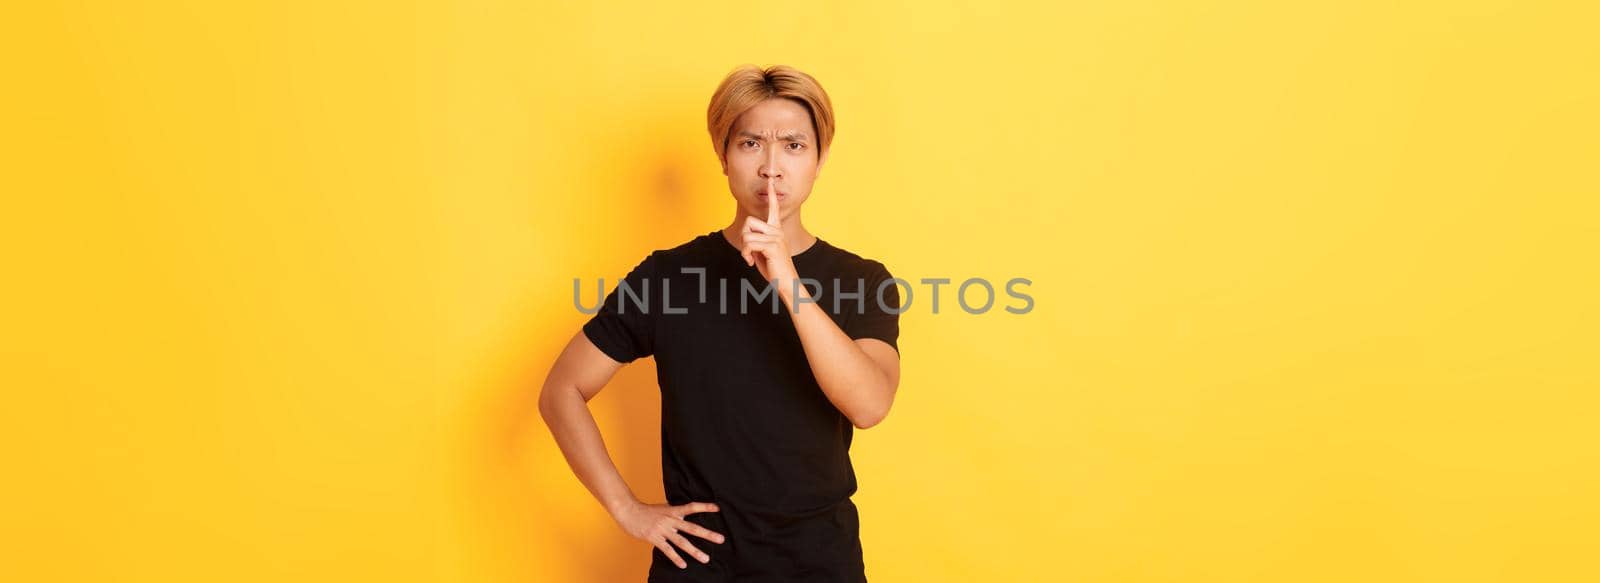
(855, 264)
(686, 249)
(686, 253)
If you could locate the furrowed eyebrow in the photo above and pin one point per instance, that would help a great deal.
(793, 136)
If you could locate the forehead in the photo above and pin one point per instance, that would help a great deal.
(774, 115)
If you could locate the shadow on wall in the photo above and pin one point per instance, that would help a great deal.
(525, 490)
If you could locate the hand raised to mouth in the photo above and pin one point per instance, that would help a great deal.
(766, 248)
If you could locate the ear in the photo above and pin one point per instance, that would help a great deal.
(821, 159)
(723, 158)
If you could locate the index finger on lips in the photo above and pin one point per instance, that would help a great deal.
(772, 202)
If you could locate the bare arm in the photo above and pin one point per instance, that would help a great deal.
(577, 375)
(858, 376)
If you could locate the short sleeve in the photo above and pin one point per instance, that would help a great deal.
(624, 328)
(879, 315)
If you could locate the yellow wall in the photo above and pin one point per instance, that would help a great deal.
(1315, 284)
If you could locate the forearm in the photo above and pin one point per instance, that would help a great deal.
(848, 376)
(567, 414)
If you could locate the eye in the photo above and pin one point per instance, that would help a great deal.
(801, 146)
(748, 143)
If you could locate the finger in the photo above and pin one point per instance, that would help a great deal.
(761, 247)
(702, 532)
(689, 547)
(772, 202)
(755, 225)
(752, 255)
(666, 549)
(698, 507)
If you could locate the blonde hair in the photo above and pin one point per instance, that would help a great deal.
(749, 85)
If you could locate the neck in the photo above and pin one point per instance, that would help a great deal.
(794, 232)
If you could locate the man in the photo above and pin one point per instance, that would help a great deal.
(771, 347)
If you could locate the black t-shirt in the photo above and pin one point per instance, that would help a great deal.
(744, 423)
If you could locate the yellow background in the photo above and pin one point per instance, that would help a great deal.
(1315, 282)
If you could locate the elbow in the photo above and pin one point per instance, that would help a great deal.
(873, 416)
(546, 404)
(550, 397)
(868, 420)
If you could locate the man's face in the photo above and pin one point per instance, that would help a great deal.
(772, 140)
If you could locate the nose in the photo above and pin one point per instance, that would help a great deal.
(770, 168)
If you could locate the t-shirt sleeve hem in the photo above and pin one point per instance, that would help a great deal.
(886, 338)
(879, 322)
(601, 341)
